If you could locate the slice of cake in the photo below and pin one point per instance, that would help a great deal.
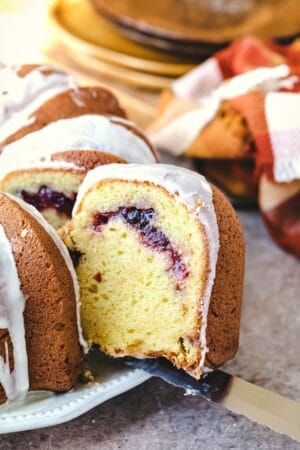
(160, 265)
(52, 187)
(40, 330)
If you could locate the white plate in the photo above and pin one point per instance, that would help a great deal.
(44, 409)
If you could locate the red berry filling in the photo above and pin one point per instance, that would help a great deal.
(151, 236)
(46, 198)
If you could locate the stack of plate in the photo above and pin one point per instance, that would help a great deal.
(200, 27)
(148, 43)
(98, 45)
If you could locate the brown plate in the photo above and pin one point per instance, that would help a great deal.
(202, 21)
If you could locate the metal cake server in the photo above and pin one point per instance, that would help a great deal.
(239, 396)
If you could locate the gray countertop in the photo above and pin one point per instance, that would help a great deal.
(158, 416)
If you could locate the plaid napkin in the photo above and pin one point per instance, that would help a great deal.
(262, 82)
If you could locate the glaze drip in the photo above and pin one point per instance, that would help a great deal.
(12, 304)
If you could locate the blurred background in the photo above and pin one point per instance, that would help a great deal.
(139, 43)
(135, 46)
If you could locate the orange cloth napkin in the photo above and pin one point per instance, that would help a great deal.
(260, 80)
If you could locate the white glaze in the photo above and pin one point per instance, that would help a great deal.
(64, 252)
(86, 132)
(180, 133)
(190, 188)
(12, 305)
(21, 96)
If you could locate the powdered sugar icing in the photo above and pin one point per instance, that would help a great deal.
(12, 304)
(86, 132)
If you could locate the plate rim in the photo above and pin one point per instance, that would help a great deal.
(89, 398)
(122, 74)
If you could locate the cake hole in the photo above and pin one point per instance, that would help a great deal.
(59, 326)
(93, 288)
(137, 342)
(112, 229)
(123, 235)
(214, 312)
(184, 309)
(165, 300)
(130, 331)
(182, 345)
(133, 302)
(104, 296)
(120, 252)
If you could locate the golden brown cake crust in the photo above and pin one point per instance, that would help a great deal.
(69, 104)
(225, 304)
(54, 353)
(89, 159)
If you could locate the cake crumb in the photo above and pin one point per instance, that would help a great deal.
(86, 377)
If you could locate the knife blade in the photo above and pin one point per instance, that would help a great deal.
(239, 396)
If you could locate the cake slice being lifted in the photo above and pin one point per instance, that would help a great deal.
(160, 265)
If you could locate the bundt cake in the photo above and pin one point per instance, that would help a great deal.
(40, 332)
(32, 96)
(160, 262)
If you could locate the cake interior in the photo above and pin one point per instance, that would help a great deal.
(142, 267)
(52, 191)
